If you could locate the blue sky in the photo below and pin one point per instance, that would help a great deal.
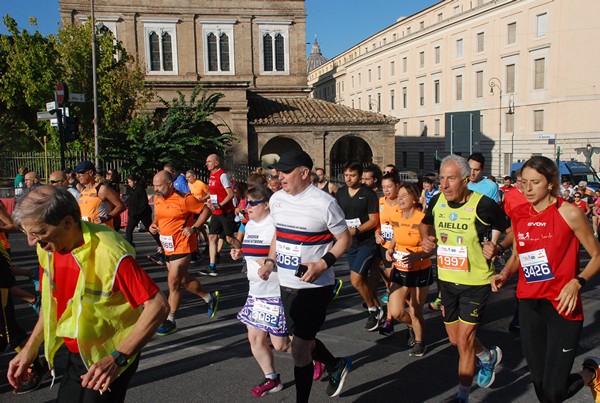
(338, 24)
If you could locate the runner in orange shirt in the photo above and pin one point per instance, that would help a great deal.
(174, 221)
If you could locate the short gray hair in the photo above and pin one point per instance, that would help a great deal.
(463, 164)
(47, 205)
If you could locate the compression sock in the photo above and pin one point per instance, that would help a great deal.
(321, 354)
(463, 392)
(304, 381)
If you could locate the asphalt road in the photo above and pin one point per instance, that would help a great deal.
(210, 359)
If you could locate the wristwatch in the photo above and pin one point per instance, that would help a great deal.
(120, 358)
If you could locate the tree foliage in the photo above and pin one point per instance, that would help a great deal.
(184, 134)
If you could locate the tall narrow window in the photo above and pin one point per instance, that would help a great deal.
(392, 100)
(436, 55)
(405, 132)
(479, 84)
(436, 91)
(510, 78)
(370, 103)
(404, 97)
(542, 24)
(379, 72)
(160, 46)
(404, 64)
(511, 33)
(538, 120)
(540, 70)
(436, 127)
(392, 68)
(480, 41)
(510, 123)
(275, 48)
(459, 88)
(422, 94)
(378, 102)
(459, 48)
(369, 75)
(218, 43)
(421, 59)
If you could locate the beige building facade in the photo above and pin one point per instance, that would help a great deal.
(254, 52)
(526, 69)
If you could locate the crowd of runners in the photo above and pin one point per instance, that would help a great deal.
(290, 225)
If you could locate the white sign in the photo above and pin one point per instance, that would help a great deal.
(76, 98)
(45, 116)
(547, 136)
(50, 106)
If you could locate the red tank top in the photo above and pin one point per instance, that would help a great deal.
(548, 253)
(215, 187)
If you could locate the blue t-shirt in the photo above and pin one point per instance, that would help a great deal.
(486, 187)
(181, 184)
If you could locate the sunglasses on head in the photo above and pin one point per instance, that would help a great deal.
(255, 203)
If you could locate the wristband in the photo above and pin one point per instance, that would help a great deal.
(581, 281)
(329, 259)
(109, 217)
(194, 229)
(502, 249)
(267, 260)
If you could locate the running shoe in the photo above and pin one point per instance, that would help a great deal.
(337, 286)
(157, 258)
(387, 329)
(411, 340)
(374, 320)
(487, 370)
(385, 298)
(213, 303)
(267, 386)
(36, 374)
(319, 370)
(168, 327)
(593, 364)
(436, 305)
(37, 304)
(337, 377)
(35, 278)
(418, 349)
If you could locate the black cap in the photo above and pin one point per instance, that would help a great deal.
(293, 159)
(84, 166)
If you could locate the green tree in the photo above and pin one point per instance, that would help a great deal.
(29, 70)
(185, 134)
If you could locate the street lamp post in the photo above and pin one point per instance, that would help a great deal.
(95, 87)
(496, 83)
(511, 111)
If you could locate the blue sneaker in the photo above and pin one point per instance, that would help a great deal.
(338, 376)
(167, 328)
(35, 279)
(487, 370)
(37, 304)
(385, 298)
(213, 304)
(337, 286)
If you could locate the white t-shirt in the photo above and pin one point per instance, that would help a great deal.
(256, 245)
(306, 224)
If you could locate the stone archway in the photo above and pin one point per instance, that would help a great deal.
(273, 149)
(348, 148)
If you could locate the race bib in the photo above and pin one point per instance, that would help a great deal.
(213, 199)
(535, 266)
(288, 255)
(353, 223)
(387, 232)
(167, 243)
(85, 218)
(265, 314)
(452, 258)
(398, 256)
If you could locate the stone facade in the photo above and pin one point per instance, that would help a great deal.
(249, 49)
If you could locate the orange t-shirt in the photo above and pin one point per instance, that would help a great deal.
(407, 238)
(388, 220)
(173, 214)
(198, 189)
(92, 206)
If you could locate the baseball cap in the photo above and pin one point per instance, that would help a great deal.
(84, 166)
(293, 159)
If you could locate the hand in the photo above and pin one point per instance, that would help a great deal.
(97, 220)
(567, 299)
(378, 238)
(187, 232)
(236, 254)
(153, 229)
(497, 281)
(389, 255)
(429, 244)
(489, 249)
(101, 374)
(315, 269)
(265, 269)
(17, 367)
(411, 258)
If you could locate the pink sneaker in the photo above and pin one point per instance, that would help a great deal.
(267, 386)
(319, 370)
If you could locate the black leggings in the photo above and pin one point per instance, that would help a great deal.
(549, 345)
(133, 221)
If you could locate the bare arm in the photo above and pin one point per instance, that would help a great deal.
(367, 225)
(18, 365)
(108, 193)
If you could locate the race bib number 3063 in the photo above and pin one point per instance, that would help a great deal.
(452, 258)
(535, 266)
(288, 255)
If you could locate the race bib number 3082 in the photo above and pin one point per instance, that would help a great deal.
(288, 255)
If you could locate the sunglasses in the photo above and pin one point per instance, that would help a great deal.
(255, 203)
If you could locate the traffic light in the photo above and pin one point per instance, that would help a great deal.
(71, 128)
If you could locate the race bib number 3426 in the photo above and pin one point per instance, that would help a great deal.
(535, 266)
